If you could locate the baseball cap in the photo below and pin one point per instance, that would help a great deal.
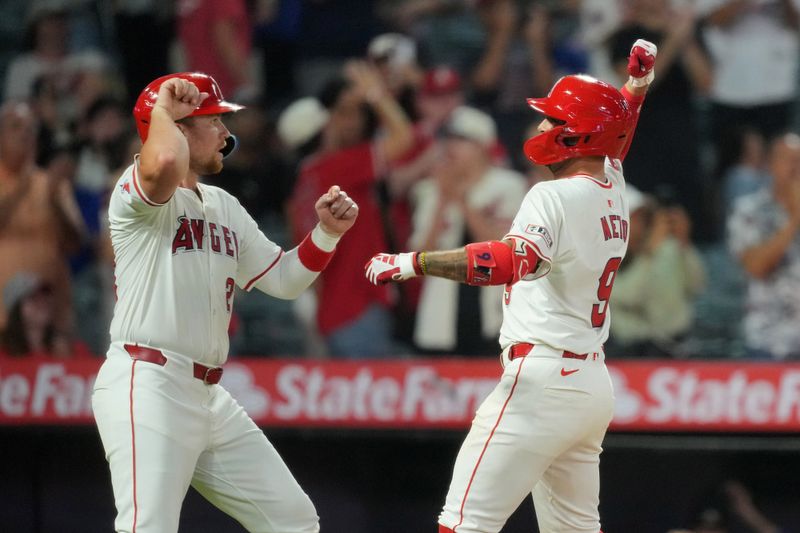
(395, 48)
(441, 80)
(636, 199)
(301, 121)
(472, 124)
(20, 286)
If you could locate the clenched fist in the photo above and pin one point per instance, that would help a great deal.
(383, 268)
(337, 212)
(641, 63)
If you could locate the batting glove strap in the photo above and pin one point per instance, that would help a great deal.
(383, 268)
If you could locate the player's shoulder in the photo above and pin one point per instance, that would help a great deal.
(217, 193)
(125, 184)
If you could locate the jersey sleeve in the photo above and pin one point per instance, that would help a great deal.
(538, 225)
(128, 201)
(257, 254)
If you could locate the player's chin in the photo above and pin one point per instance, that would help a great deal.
(214, 166)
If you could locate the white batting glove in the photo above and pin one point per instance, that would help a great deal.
(641, 63)
(383, 268)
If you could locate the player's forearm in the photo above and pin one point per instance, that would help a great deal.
(448, 264)
(164, 159)
(288, 279)
(297, 269)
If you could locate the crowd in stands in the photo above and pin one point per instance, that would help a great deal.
(418, 109)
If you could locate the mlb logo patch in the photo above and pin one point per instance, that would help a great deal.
(540, 231)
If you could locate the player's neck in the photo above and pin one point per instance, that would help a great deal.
(190, 182)
(592, 166)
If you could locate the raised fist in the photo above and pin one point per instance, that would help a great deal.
(641, 63)
(383, 268)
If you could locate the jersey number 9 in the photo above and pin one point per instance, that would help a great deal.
(607, 278)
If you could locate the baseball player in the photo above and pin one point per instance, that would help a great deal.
(540, 431)
(181, 247)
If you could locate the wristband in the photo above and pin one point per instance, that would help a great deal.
(644, 80)
(317, 249)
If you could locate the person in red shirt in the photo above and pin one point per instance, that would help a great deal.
(353, 317)
(215, 35)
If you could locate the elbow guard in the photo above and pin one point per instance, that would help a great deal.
(495, 263)
(489, 263)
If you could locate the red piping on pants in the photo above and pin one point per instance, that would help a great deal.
(133, 452)
(485, 446)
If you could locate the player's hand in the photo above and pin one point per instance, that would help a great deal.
(337, 212)
(179, 97)
(641, 63)
(383, 268)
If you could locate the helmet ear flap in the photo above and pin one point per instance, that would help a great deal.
(231, 144)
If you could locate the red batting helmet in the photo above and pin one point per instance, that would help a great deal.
(214, 104)
(597, 121)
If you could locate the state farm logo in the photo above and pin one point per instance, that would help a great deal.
(50, 393)
(627, 402)
(669, 397)
(300, 393)
(240, 382)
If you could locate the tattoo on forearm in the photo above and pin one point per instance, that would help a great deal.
(450, 264)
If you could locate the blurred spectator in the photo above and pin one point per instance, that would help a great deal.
(467, 199)
(216, 38)
(754, 46)
(763, 234)
(740, 165)
(144, 30)
(31, 329)
(48, 54)
(103, 134)
(395, 57)
(661, 159)
(654, 290)
(39, 220)
(599, 19)
(353, 316)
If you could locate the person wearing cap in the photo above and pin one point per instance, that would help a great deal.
(31, 331)
(466, 198)
(181, 247)
(354, 319)
(656, 285)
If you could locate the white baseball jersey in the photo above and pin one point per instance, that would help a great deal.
(177, 265)
(579, 226)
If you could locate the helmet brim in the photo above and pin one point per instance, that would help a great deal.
(218, 108)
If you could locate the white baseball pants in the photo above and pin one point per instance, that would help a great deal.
(163, 430)
(539, 432)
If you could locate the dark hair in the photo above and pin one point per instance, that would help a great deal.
(330, 94)
(13, 339)
(731, 148)
(103, 103)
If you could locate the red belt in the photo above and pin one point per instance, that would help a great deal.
(523, 348)
(209, 375)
